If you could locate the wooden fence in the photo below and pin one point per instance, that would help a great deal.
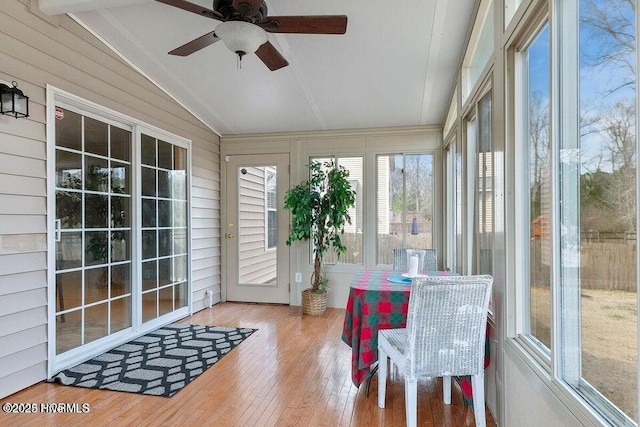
(386, 244)
(609, 266)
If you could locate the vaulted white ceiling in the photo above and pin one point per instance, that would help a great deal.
(395, 66)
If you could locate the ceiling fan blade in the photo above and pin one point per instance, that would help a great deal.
(320, 24)
(190, 7)
(271, 57)
(247, 7)
(195, 45)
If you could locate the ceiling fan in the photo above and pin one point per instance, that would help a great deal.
(245, 25)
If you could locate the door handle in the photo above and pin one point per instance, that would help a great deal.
(229, 236)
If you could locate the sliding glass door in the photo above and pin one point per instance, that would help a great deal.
(120, 231)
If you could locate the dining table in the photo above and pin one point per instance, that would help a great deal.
(379, 299)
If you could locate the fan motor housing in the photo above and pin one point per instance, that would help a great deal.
(230, 13)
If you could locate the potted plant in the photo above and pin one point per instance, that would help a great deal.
(319, 211)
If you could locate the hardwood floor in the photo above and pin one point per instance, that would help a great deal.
(294, 371)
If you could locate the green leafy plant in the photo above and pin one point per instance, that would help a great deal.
(319, 211)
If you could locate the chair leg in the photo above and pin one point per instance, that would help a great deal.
(382, 377)
(477, 384)
(411, 401)
(446, 389)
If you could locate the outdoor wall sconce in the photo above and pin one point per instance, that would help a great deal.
(13, 102)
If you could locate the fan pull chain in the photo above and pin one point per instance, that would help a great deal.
(239, 59)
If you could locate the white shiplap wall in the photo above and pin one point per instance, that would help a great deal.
(35, 52)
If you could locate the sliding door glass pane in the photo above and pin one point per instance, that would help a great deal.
(93, 214)
(164, 227)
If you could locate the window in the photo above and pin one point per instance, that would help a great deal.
(270, 197)
(483, 212)
(459, 207)
(597, 199)
(450, 205)
(352, 237)
(480, 48)
(510, 8)
(405, 203)
(576, 200)
(537, 187)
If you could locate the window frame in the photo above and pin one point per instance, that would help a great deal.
(516, 57)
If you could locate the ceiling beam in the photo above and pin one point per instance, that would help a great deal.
(58, 7)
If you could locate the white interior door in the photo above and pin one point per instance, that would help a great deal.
(257, 267)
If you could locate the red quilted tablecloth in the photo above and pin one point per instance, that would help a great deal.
(375, 303)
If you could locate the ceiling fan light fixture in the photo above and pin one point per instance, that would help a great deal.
(240, 36)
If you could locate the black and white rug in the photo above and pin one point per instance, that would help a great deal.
(159, 363)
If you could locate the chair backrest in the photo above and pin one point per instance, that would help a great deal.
(430, 261)
(446, 325)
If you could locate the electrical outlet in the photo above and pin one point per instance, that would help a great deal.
(298, 277)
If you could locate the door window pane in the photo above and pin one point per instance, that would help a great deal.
(95, 211)
(257, 264)
(96, 172)
(69, 209)
(148, 150)
(120, 314)
(96, 139)
(120, 279)
(120, 178)
(68, 170)
(148, 182)
(120, 144)
(68, 129)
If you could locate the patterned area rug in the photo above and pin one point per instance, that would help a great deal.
(160, 363)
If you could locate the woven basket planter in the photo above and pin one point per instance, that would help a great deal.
(313, 304)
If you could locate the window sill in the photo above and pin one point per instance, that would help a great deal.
(563, 401)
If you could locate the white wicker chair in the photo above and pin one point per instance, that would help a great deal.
(444, 337)
(430, 261)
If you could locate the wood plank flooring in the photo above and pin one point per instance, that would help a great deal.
(294, 371)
